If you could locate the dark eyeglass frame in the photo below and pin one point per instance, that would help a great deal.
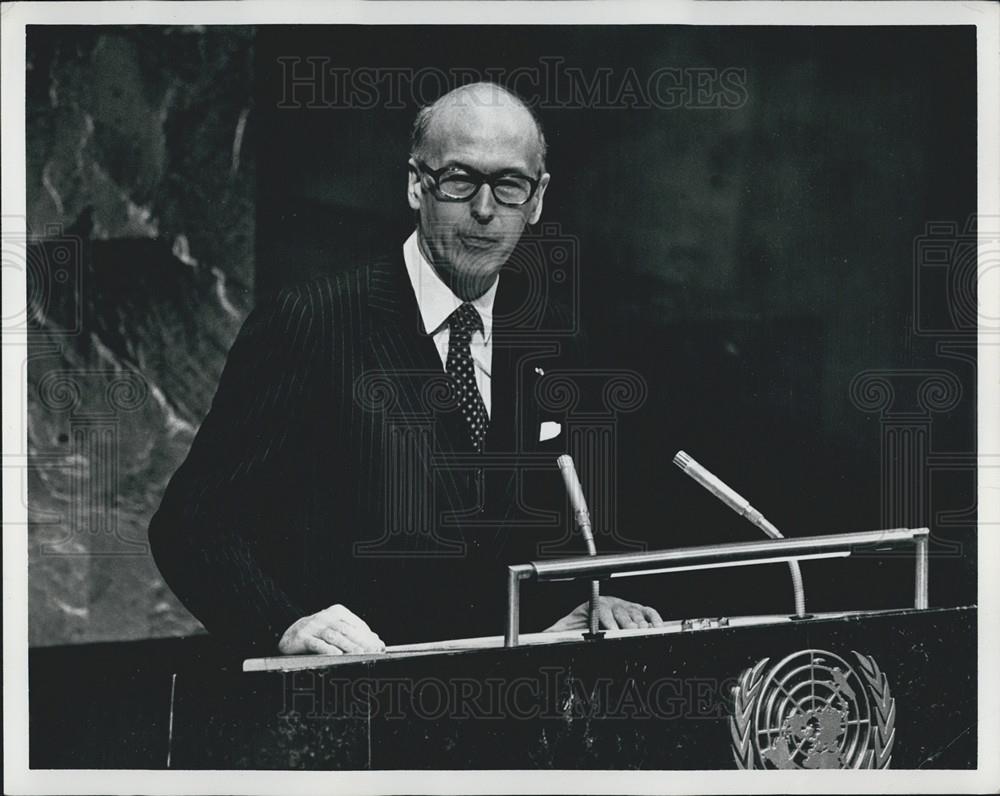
(480, 178)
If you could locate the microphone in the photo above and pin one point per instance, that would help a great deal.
(582, 516)
(742, 506)
(725, 493)
(576, 499)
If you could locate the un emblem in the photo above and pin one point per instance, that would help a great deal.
(813, 710)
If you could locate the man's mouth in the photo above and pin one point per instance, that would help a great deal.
(478, 241)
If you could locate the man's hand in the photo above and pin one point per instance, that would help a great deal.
(613, 613)
(333, 631)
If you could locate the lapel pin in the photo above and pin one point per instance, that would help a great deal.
(539, 371)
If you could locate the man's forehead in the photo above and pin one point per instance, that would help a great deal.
(489, 137)
(487, 153)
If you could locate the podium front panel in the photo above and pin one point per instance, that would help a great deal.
(895, 689)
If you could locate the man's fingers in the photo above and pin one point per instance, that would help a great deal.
(638, 616)
(623, 614)
(653, 616)
(332, 635)
(614, 613)
(362, 640)
(333, 630)
(607, 617)
(353, 627)
(321, 647)
(339, 611)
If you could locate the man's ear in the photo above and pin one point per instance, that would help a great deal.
(536, 212)
(413, 186)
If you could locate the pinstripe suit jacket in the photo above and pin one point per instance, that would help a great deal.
(333, 468)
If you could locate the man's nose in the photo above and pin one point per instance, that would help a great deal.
(483, 204)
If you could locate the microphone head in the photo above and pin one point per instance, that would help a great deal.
(682, 460)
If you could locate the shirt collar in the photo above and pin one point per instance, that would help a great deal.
(434, 297)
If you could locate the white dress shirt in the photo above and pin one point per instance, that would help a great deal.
(437, 302)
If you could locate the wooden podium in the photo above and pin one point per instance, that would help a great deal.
(662, 701)
(850, 690)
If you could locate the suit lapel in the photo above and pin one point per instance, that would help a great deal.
(405, 355)
(509, 400)
(396, 318)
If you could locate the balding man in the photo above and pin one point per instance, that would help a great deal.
(357, 476)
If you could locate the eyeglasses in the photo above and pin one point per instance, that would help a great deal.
(460, 184)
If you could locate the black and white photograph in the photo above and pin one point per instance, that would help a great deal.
(459, 397)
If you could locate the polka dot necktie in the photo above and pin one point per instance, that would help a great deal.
(461, 324)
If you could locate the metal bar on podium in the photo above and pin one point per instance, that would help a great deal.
(920, 579)
(515, 574)
(765, 551)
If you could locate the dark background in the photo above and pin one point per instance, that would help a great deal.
(749, 262)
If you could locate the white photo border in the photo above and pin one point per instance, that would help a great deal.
(19, 779)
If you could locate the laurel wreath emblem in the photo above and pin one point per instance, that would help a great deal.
(745, 695)
(882, 734)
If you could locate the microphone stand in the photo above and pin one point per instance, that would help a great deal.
(582, 516)
(742, 506)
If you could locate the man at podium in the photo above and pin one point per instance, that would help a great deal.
(357, 477)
